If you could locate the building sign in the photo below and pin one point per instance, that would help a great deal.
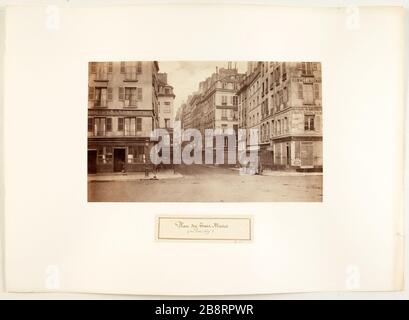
(119, 112)
(306, 80)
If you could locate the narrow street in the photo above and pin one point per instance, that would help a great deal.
(202, 183)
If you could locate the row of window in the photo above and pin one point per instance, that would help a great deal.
(101, 95)
(135, 154)
(228, 114)
(307, 92)
(281, 126)
(130, 69)
(99, 126)
(233, 100)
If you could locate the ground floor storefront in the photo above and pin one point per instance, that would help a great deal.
(125, 154)
(293, 153)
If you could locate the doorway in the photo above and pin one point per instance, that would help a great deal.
(92, 161)
(288, 155)
(119, 160)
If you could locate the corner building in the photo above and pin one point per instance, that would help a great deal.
(122, 112)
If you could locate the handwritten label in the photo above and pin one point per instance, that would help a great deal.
(204, 228)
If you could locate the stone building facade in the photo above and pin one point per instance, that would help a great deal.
(215, 104)
(122, 112)
(288, 113)
(166, 98)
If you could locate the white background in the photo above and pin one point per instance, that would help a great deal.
(310, 246)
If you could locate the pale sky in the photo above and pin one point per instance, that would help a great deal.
(185, 76)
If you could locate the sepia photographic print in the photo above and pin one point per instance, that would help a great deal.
(197, 131)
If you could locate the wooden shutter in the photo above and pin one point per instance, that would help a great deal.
(91, 93)
(140, 94)
(138, 124)
(93, 67)
(317, 123)
(121, 93)
(316, 91)
(109, 93)
(110, 67)
(122, 67)
(300, 91)
(109, 124)
(90, 124)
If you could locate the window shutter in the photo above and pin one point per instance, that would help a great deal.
(139, 68)
(300, 91)
(138, 124)
(110, 67)
(122, 67)
(93, 67)
(316, 91)
(90, 124)
(317, 123)
(109, 124)
(91, 93)
(140, 94)
(110, 93)
(121, 93)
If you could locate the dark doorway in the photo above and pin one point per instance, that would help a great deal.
(92, 161)
(119, 160)
(288, 155)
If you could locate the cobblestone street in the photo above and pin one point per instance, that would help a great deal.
(199, 183)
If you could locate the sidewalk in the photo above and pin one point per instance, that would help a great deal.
(134, 176)
(274, 173)
(289, 173)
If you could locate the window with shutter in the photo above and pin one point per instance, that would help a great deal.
(91, 93)
(139, 67)
(109, 94)
(140, 94)
(110, 67)
(123, 67)
(121, 93)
